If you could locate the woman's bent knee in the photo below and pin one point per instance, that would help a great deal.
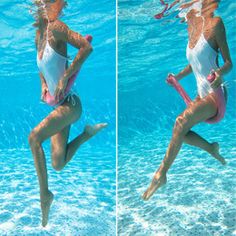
(57, 166)
(34, 138)
(58, 160)
(181, 125)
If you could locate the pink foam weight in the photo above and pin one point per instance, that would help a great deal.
(172, 80)
(219, 97)
(220, 101)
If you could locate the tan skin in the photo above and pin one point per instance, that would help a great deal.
(200, 109)
(56, 125)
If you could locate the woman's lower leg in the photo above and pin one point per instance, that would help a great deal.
(172, 151)
(40, 165)
(196, 140)
(46, 196)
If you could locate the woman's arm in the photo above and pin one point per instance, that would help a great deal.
(63, 33)
(221, 41)
(223, 46)
(44, 87)
(43, 82)
(186, 71)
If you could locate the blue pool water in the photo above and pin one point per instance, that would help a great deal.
(85, 189)
(199, 198)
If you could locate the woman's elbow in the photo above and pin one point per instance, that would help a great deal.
(229, 65)
(88, 48)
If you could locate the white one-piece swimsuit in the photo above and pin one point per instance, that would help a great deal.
(52, 66)
(202, 59)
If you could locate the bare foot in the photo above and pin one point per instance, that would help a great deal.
(216, 154)
(45, 207)
(156, 183)
(91, 130)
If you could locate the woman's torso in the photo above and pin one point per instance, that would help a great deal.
(202, 53)
(51, 58)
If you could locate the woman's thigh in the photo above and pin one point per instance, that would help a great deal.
(198, 111)
(60, 118)
(59, 142)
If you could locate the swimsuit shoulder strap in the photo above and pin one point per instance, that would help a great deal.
(47, 31)
(203, 24)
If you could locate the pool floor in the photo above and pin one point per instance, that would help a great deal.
(84, 194)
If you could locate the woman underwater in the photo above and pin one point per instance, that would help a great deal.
(207, 37)
(51, 41)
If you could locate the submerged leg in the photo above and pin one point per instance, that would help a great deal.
(57, 120)
(196, 140)
(46, 196)
(89, 132)
(194, 114)
(62, 152)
